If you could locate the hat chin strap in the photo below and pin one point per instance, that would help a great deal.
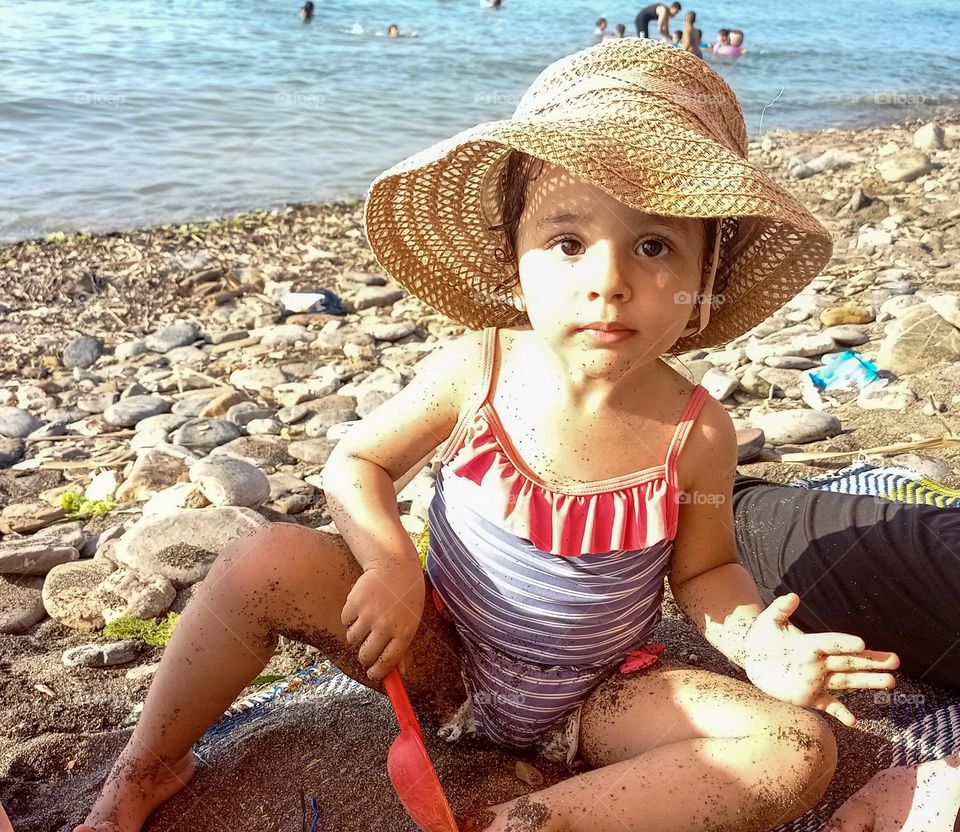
(706, 292)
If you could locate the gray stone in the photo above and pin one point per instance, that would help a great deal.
(66, 593)
(21, 604)
(128, 412)
(11, 451)
(919, 338)
(82, 352)
(263, 451)
(258, 378)
(264, 427)
(392, 330)
(846, 335)
(152, 472)
(289, 494)
(226, 481)
(125, 593)
(891, 397)
(24, 518)
(187, 355)
(206, 433)
(101, 654)
(796, 427)
(371, 296)
(935, 469)
(790, 362)
(172, 336)
(929, 137)
(17, 423)
(719, 384)
(947, 306)
(896, 306)
(286, 335)
(301, 391)
(320, 423)
(129, 349)
(165, 422)
(905, 166)
(66, 415)
(182, 545)
(750, 442)
(314, 451)
(243, 413)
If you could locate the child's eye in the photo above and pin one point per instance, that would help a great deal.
(568, 245)
(653, 247)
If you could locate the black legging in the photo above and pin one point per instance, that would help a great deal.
(885, 571)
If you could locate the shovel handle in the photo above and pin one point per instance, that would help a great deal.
(406, 718)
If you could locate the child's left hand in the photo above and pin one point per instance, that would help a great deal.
(799, 668)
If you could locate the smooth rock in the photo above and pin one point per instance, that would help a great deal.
(172, 336)
(125, 593)
(929, 137)
(750, 442)
(905, 166)
(182, 545)
(891, 397)
(797, 427)
(129, 349)
(24, 518)
(896, 306)
(17, 423)
(11, 451)
(258, 378)
(289, 494)
(66, 593)
(392, 331)
(947, 306)
(220, 406)
(82, 352)
(21, 604)
(203, 433)
(790, 362)
(846, 315)
(847, 336)
(718, 383)
(226, 481)
(129, 411)
(101, 654)
(918, 339)
(370, 296)
(935, 469)
(314, 451)
(286, 335)
(152, 472)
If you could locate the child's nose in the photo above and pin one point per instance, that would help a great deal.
(608, 274)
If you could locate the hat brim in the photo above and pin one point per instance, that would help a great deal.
(427, 219)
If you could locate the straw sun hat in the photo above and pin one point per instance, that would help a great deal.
(653, 126)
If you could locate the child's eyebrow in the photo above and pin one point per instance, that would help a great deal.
(561, 219)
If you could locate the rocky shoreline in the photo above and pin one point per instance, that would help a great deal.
(161, 372)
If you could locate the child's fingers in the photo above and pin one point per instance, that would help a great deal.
(829, 643)
(867, 660)
(860, 681)
(389, 658)
(372, 647)
(833, 706)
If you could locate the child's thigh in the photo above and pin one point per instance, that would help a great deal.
(628, 715)
(317, 571)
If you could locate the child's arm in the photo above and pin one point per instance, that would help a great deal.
(722, 599)
(386, 603)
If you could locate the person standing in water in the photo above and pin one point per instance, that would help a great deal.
(690, 42)
(306, 11)
(659, 12)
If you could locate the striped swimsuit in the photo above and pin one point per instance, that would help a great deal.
(549, 589)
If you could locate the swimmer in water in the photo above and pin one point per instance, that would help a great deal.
(621, 30)
(677, 36)
(690, 42)
(601, 29)
(728, 43)
(393, 31)
(659, 12)
(306, 11)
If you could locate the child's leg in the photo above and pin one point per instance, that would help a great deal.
(679, 748)
(282, 580)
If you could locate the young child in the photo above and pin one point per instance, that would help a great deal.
(677, 37)
(690, 41)
(578, 470)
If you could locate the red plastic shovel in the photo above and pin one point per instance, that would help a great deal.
(408, 764)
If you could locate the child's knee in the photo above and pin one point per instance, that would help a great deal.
(814, 749)
(275, 552)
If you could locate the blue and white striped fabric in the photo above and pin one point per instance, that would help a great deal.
(539, 630)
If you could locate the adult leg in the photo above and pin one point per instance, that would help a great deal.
(888, 572)
(282, 580)
(679, 748)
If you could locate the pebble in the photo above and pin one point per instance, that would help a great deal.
(171, 337)
(286, 335)
(895, 306)
(891, 397)
(847, 336)
(21, 604)
(905, 166)
(258, 378)
(202, 433)
(947, 306)
(220, 406)
(11, 451)
(935, 469)
(82, 352)
(315, 451)
(929, 137)
(371, 296)
(392, 331)
(264, 427)
(846, 315)
(790, 362)
(227, 481)
(66, 593)
(17, 423)
(152, 472)
(24, 518)
(129, 411)
(182, 545)
(750, 442)
(797, 427)
(718, 383)
(103, 655)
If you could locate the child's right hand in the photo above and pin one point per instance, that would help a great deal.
(383, 611)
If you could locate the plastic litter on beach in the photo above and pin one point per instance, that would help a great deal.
(323, 300)
(847, 371)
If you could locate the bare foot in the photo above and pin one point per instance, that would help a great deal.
(126, 802)
(923, 798)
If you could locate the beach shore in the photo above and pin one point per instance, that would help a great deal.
(187, 320)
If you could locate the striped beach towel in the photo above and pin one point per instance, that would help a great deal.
(898, 484)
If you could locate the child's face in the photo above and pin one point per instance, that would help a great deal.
(586, 257)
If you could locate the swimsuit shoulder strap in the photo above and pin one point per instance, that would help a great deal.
(472, 403)
(690, 413)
